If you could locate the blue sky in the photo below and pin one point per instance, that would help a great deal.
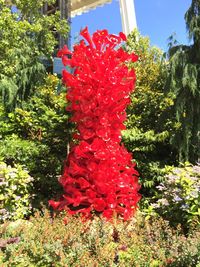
(157, 19)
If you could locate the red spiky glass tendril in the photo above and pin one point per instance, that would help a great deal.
(99, 174)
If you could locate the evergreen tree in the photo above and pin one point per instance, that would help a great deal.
(184, 83)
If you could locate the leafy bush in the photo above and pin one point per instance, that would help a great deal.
(15, 192)
(148, 125)
(15, 149)
(47, 241)
(36, 136)
(180, 195)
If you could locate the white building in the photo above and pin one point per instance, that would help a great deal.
(127, 11)
(72, 8)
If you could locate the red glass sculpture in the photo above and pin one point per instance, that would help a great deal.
(99, 174)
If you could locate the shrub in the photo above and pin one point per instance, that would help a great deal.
(180, 195)
(15, 193)
(17, 150)
(51, 243)
(36, 137)
(47, 241)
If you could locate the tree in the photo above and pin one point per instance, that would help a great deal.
(184, 84)
(148, 131)
(26, 38)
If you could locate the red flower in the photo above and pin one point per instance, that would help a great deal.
(99, 174)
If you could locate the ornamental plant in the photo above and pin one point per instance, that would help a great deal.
(141, 242)
(99, 175)
(180, 191)
(16, 187)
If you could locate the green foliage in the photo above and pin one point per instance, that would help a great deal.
(46, 241)
(15, 192)
(148, 130)
(37, 136)
(26, 152)
(183, 83)
(179, 199)
(192, 18)
(26, 39)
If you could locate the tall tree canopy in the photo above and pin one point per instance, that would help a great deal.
(184, 83)
(27, 37)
